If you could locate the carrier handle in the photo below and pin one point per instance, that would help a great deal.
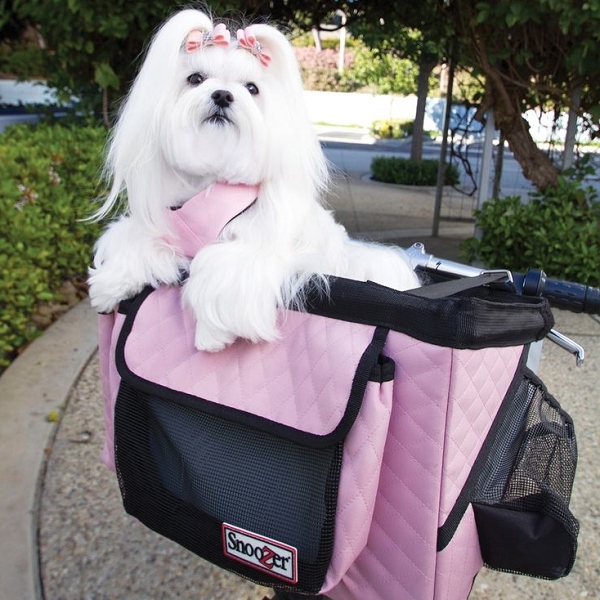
(567, 295)
(574, 297)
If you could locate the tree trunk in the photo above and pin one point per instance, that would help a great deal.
(426, 65)
(536, 165)
(506, 100)
(498, 167)
(571, 133)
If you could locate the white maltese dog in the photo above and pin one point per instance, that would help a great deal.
(210, 111)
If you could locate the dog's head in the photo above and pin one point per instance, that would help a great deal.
(211, 105)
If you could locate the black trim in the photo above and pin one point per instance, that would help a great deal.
(456, 286)
(364, 371)
(241, 212)
(479, 318)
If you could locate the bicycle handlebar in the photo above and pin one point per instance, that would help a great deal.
(566, 295)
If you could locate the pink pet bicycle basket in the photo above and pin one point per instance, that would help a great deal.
(389, 445)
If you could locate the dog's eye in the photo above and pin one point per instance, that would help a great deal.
(196, 79)
(252, 88)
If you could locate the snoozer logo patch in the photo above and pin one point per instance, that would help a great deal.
(277, 559)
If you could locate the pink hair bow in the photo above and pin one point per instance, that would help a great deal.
(197, 39)
(248, 41)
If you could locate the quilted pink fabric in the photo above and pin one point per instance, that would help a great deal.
(297, 382)
(362, 460)
(442, 407)
(480, 380)
(109, 326)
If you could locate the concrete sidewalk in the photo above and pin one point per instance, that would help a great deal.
(64, 534)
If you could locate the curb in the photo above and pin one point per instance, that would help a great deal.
(36, 383)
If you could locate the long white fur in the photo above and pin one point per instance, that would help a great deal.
(161, 153)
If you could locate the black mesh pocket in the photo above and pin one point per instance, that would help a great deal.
(521, 503)
(246, 500)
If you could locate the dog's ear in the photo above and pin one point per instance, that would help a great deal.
(170, 37)
(134, 162)
(270, 47)
(295, 160)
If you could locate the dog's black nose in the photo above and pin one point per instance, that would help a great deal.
(222, 98)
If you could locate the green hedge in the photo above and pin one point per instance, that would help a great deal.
(48, 180)
(393, 169)
(557, 231)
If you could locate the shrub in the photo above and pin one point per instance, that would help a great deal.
(403, 171)
(47, 182)
(557, 231)
(383, 73)
(320, 69)
(395, 129)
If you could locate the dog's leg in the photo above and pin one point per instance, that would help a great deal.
(234, 291)
(128, 258)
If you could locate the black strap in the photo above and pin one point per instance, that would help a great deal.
(454, 286)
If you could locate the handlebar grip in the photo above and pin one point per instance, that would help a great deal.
(574, 297)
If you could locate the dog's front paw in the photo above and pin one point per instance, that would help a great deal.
(128, 258)
(211, 339)
(223, 315)
(106, 290)
(213, 335)
(215, 339)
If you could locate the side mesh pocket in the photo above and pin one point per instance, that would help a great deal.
(521, 502)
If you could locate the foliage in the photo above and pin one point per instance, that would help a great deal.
(91, 49)
(557, 231)
(532, 54)
(383, 73)
(403, 171)
(22, 59)
(406, 33)
(541, 32)
(47, 182)
(469, 86)
(307, 40)
(365, 69)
